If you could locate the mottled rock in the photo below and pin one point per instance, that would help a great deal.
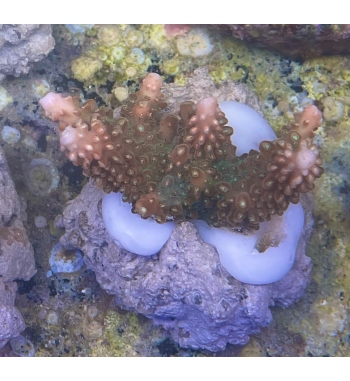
(16, 255)
(294, 40)
(184, 288)
(11, 321)
(22, 44)
(200, 85)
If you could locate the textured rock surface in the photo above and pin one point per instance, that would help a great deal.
(11, 321)
(200, 86)
(22, 44)
(295, 40)
(184, 288)
(16, 255)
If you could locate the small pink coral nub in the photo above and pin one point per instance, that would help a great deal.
(59, 108)
(309, 120)
(151, 86)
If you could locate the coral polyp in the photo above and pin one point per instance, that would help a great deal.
(178, 167)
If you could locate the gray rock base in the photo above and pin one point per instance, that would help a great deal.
(21, 45)
(184, 288)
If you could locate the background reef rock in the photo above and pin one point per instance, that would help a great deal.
(295, 40)
(21, 45)
(184, 288)
(16, 255)
(200, 85)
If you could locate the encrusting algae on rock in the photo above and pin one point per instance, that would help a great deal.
(177, 168)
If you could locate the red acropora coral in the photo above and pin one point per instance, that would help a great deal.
(185, 167)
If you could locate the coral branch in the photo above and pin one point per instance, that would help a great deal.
(182, 167)
(295, 161)
(206, 126)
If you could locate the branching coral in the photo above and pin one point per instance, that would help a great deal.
(176, 168)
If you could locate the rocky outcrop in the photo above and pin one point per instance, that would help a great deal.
(22, 44)
(184, 288)
(16, 255)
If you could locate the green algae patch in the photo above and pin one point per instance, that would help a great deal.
(124, 333)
